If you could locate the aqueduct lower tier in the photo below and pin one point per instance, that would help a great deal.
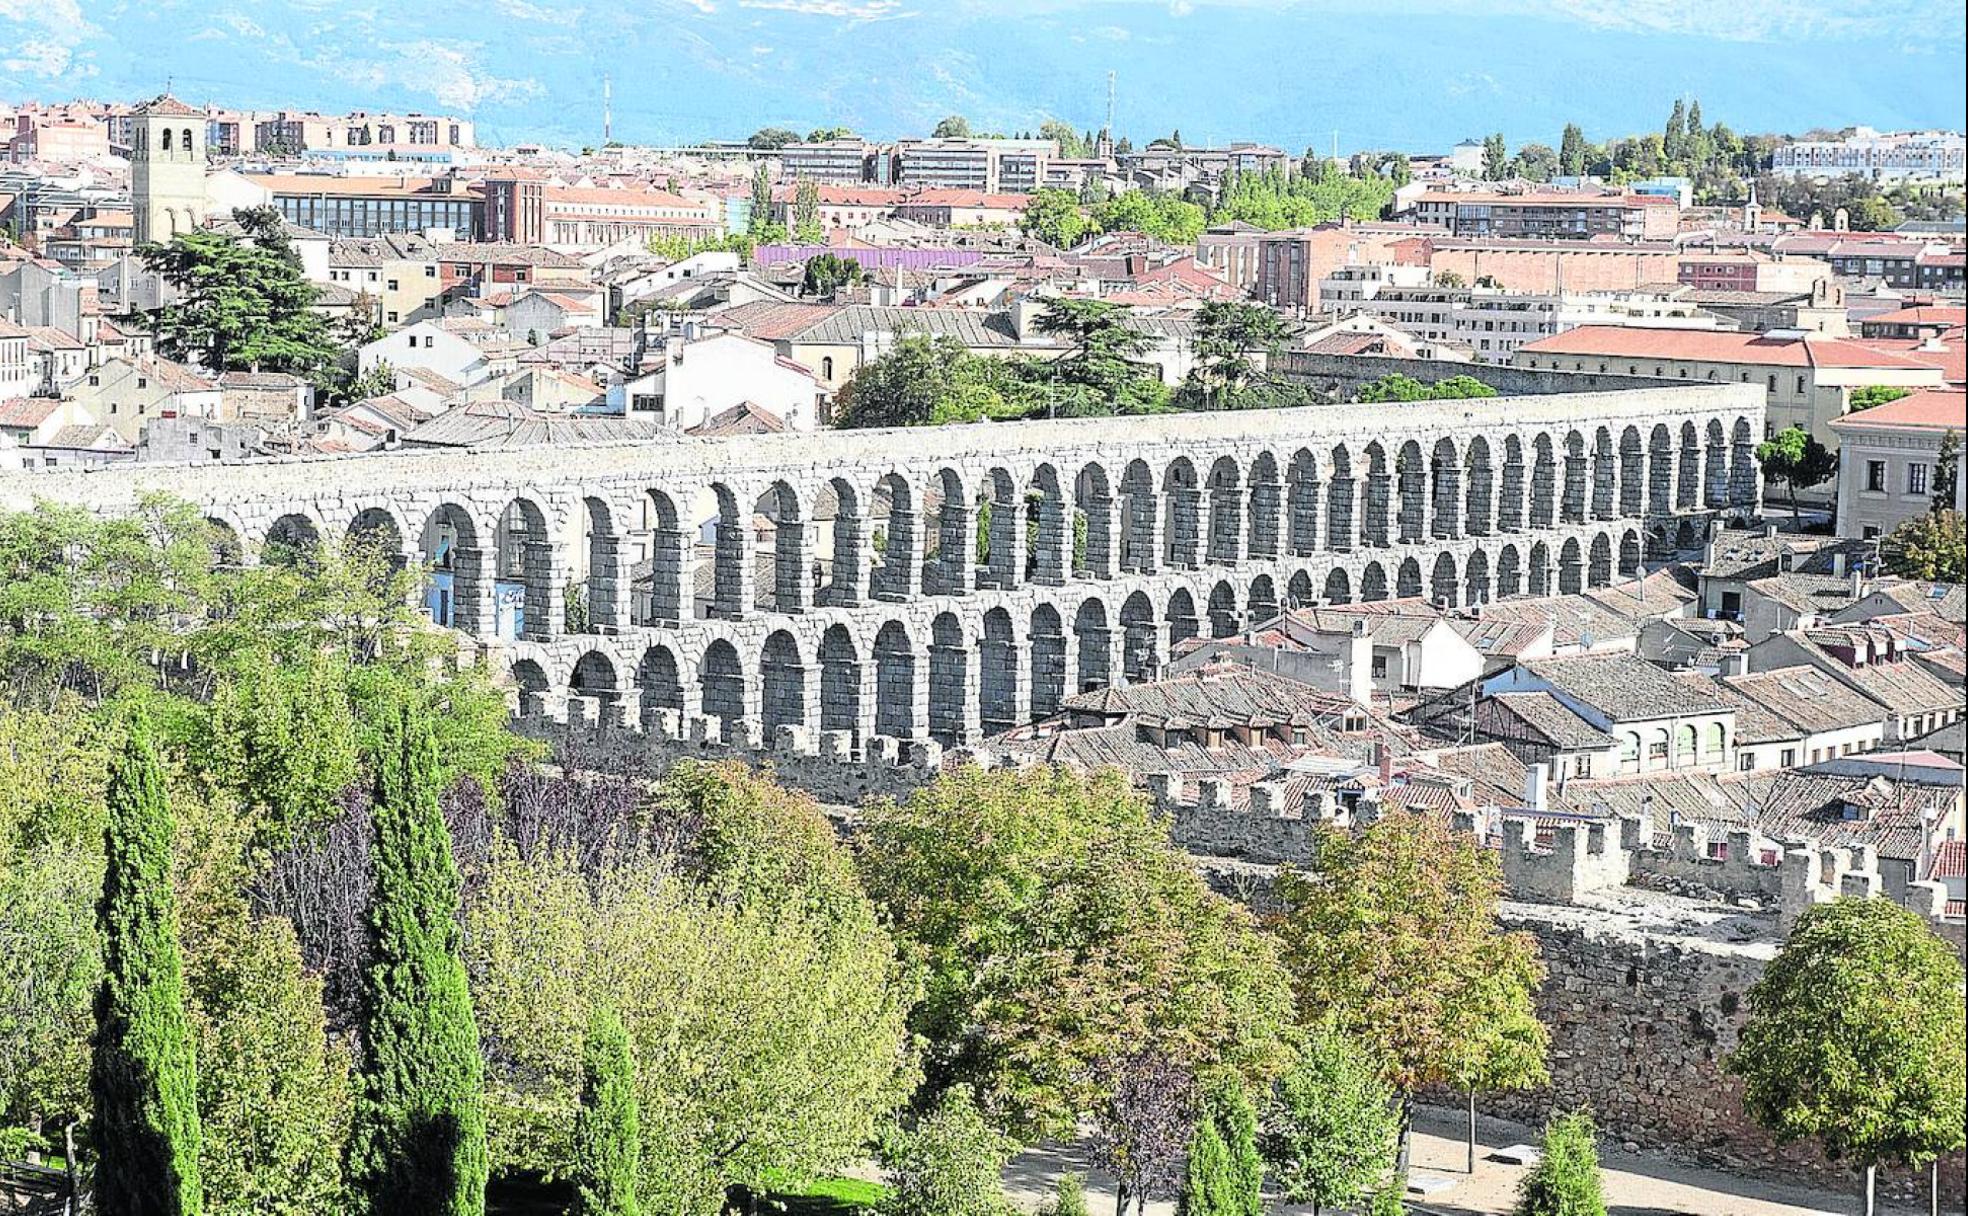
(955, 581)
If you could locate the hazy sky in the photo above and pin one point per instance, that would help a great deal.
(1417, 74)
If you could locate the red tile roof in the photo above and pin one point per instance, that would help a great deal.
(1718, 346)
(1929, 409)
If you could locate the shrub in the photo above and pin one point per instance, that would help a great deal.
(950, 1164)
(1565, 1181)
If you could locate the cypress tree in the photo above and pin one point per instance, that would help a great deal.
(1237, 1123)
(1207, 1185)
(142, 1076)
(607, 1139)
(1225, 1175)
(418, 1141)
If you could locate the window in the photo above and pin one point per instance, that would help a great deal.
(1746, 761)
(1869, 532)
(1875, 476)
(1380, 667)
(1718, 739)
(1788, 758)
(1916, 478)
(1629, 752)
(1800, 386)
(1684, 744)
(1657, 747)
(1773, 382)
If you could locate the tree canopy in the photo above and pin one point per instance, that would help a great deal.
(1929, 546)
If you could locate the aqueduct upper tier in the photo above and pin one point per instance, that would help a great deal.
(956, 580)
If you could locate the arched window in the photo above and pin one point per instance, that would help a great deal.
(1684, 745)
(826, 367)
(1629, 753)
(186, 144)
(1718, 740)
(167, 139)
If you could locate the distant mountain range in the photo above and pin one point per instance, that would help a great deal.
(1413, 74)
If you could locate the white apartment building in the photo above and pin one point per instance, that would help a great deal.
(1489, 323)
(1889, 459)
(1910, 155)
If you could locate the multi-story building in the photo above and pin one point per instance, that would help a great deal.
(1808, 378)
(1292, 263)
(529, 210)
(1232, 250)
(394, 274)
(1605, 264)
(1889, 461)
(1748, 270)
(1911, 155)
(993, 166)
(1550, 215)
(846, 207)
(293, 132)
(845, 162)
(371, 206)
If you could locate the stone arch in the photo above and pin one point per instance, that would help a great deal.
(1265, 526)
(1411, 489)
(375, 533)
(998, 673)
(1096, 543)
(1509, 572)
(896, 554)
(662, 588)
(531, 686)
(782, 682)
(1139, 654)
(1599, 562)
(1299, 589)
(721, 682)
(1629, 553)
(895, 681)
(1224, 488)
(1094, 643)
(1544, 482)
(454, 570)
(1660, 470)
(843, 574)
(1373, 583)
(659, 685)
(1715, 466)
(1445, 488)
(782, 579)
(1341, 496)
(952, 541)
(1048, 546)
(1302, 494)
(293, 540)
(594, 678)
(1605, 475)
(1047, 645)
(1540, 569)
(1744, 476)
(526, 584)
(1181, 618)
(1181, 515)
(1139, 519)
(1407, 579)
(1002, 563)
(949, 680)
(1376, 498)
(601, 591)
(1512, 486)
(1687, 482)
(1572, 506)
(1223, 619)
(1262, 603)
(1444, 586)
(840, 680)
(1632, 474)
(1479, 489)
(1476, 578)
(1339, 589)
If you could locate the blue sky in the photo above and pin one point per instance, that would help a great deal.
(1417, 74)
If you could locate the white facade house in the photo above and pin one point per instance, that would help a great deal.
(1889, 461)
(428, 345)
(693, 379)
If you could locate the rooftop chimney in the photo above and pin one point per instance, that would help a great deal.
(1535, 778)
(1733, 663)
(1384, 762)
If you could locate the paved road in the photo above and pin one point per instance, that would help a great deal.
(1636, 1184)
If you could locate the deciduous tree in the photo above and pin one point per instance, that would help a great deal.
(1330, 1134)
(1795, 457)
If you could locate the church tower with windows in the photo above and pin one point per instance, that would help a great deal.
(167, 169)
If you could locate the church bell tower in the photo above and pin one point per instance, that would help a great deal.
(167, 169)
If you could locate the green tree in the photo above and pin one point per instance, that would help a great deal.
(1870, 395)
(820, 135)
(242, 304)
(1330, 1136)
(1054, 216)
(949, 1164)
(1395, 939)
(1106, 356)
(1565, 1181)
(1496, 158)
(1072, 145)
(1169, 218)
(1207, 1186)
(806, 213)
(1929, 546)
(1855, 1038)
(924, 380)
(418, 1142)
(1795, 457)
(142, 1079)
(1068, 1197)
(1674, 140)
(1058, 928)
(1947, 471)
(827, 273)
(761, 213)
(1874, 214)
(1535, 163)
(607, 1137)
(956, 126)
(1572, 151)
(771, 139)
(1227, 335)
(1225, 1176)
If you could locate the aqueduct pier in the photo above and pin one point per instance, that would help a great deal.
(951, 582)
